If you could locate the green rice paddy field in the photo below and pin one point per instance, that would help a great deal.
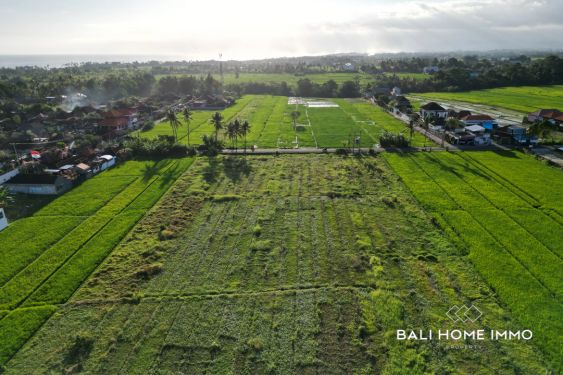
(292, 264)
(272, 125)
(521, 99)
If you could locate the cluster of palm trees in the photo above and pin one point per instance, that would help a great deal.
(233, 130)
(172, 118)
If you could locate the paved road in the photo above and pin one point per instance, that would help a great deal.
(313, 150)
(549, 154)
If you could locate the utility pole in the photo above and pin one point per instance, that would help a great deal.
(221, 69)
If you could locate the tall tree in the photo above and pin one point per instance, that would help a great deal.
(245, 129)
(233, 131)
(415, 118)
(174, 123)
(187, 118)
(217, 121)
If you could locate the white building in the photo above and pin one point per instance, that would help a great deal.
(433, 109)
(396, 91)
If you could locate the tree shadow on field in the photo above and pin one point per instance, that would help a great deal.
(211, 171)
(149, 171)
(235, 167)
(507, 153)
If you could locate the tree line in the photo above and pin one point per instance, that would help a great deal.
(459, 75)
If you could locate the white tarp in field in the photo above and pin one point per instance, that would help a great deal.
(311, 103)
(322, 105)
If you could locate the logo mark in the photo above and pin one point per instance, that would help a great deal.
(464, 314)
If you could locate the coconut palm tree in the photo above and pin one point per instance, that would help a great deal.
(233, 131)
(217, 121)
(174, 123)
(188, 118)
(415, 118)
(244, 130)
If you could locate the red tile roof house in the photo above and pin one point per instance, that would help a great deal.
(554, 115)
(121, 119)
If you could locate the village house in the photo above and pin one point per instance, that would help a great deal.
(102, 163)
(118, 120)
(554, 116)
(434, 110)
(485, 121)
(482, 137)
(514, 134)
(38, 184)
(452, 113)
(460, 137)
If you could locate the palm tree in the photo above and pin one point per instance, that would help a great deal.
(217, 121)
(188, 118)
(244, 130)
(233, 131)
(415, 118)
(294, 117)
(174, 123)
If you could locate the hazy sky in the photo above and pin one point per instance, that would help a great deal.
(255, 29)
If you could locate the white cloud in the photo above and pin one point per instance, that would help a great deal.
(253, 28)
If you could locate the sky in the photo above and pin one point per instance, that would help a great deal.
(246, 29)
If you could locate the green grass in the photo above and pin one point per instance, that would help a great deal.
(37, 234)
(290, 264)
(272, 125)
(67, 249)
(88, 197)
(522, 99)
(510, 225)
(18, 326)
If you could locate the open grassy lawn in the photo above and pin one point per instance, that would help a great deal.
(290, 265)
(505, 209)
(521, 99)
(46, 257)
(272, 125)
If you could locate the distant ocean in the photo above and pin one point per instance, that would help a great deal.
(57, 61)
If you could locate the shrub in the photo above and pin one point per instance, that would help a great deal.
(342, 151)
(165, 234)
(149, 270)
(261, 246)
(80, 350)
(257, 230)
(210, 146)
(388, 139)
(148, 126)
